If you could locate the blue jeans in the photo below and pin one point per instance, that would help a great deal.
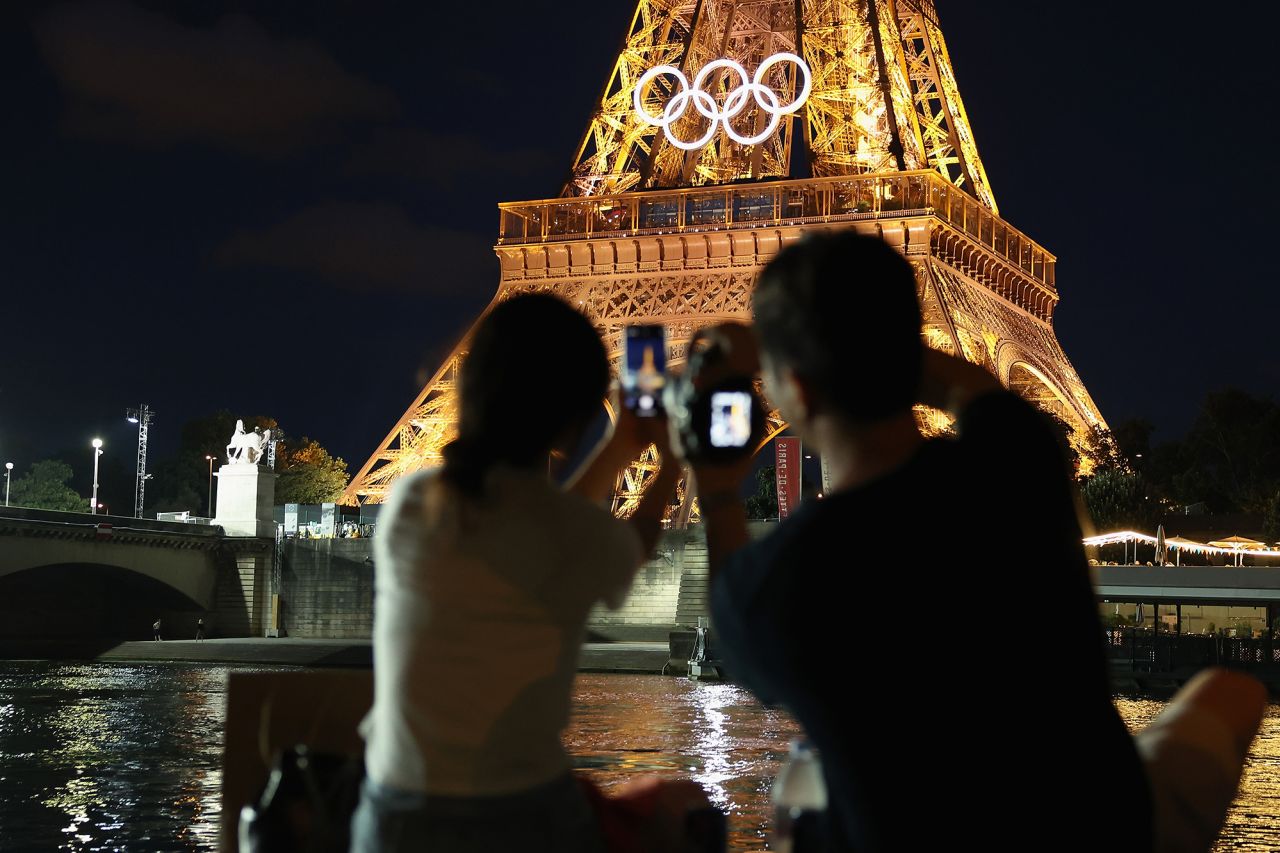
(551, 818)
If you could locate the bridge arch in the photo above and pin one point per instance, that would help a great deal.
(84, 600)
(190, 573)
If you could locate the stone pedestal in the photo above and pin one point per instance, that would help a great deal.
(246, 498)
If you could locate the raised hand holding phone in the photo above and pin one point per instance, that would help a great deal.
(644, 369)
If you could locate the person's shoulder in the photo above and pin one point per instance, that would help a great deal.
(834, 510)
(999, 402)
(811, 526)
(411, 488)
(579, 507)
(999, 406)
(542, 501)
(417, 482)
(1004, 424)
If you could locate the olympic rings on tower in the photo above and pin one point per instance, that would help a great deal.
(736, 101)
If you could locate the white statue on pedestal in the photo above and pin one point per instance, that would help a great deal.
(246, 447)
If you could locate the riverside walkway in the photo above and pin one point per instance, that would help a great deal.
(628, 657)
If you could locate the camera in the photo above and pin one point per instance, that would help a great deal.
(715, 412)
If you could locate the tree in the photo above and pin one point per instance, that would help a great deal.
(308, 474)
(764, 503)
(1230, 458)
(1118, 500)
(1133, 440)
(1065, 434)
(1102, 446)
(182, 480)
(1098, 449)
(1271, 518)
(45, 487)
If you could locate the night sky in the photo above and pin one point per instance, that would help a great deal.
(288, 208)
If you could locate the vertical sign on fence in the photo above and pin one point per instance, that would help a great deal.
(787, 459)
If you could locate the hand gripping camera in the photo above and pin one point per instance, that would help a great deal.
(714, 407)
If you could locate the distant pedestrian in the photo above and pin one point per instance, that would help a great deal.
(155, 629)
(200, 628)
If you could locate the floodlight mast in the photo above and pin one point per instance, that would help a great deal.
(142, 416)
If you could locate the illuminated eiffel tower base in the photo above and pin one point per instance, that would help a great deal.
(651, 229)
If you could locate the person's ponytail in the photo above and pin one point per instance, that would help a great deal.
(535, 368)
(465, 467)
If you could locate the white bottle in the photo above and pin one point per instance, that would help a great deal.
(799, 796)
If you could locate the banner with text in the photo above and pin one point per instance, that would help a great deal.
(787, 459)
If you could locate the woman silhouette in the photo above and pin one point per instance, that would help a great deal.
(486, 569)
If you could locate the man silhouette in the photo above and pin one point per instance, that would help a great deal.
(852, 612)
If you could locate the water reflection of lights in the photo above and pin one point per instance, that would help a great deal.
(711, 740)
(126, 755)
(74, 799)
(1253, 823)
(101, 756)
(204, 718)
(627, 727)
(85, 734)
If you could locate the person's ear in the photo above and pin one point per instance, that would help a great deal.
(789, 393)
(805, 395)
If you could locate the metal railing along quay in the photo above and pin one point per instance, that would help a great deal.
(1149, 651)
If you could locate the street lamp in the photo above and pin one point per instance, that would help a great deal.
(210, 502)
(8, 469)
(97, 451)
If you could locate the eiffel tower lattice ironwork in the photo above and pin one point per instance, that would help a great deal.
(670, 213)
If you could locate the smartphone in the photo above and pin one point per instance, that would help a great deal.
(644, 368)
(730, 418)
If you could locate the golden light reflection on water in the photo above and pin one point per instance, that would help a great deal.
(103, 757)
(203, 720)
(625, 727)
(1253, 824)
(109, 757)
(712, 740)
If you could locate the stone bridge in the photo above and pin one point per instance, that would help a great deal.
(67, 574)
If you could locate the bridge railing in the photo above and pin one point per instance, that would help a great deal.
(51, 520)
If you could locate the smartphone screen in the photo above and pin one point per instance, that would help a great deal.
(644, 369)
(730, 418)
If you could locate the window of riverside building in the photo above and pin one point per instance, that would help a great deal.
(1234, 621)
(1122, 614)
(1228, 620)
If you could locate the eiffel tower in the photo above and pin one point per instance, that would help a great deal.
(728, 128)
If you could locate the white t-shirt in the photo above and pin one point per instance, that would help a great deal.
(479, 614)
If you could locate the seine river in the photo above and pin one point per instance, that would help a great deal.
(127, 757)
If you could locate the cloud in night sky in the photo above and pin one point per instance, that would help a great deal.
(368, 247)
(422, 155)
(134, 76)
